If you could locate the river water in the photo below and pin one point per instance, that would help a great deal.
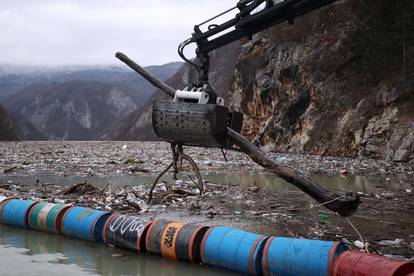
(28, 252)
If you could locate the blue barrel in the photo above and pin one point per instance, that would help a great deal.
(3, 200)
(84, 223)
(290, 256)
(233, 249)
(15, 212)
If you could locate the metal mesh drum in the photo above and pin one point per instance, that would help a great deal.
(203, 125)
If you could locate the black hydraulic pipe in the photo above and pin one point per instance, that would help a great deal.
(260, 21)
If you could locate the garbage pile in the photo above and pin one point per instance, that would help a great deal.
(224, 247)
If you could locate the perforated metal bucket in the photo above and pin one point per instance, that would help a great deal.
(202, 125)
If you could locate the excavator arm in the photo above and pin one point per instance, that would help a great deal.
(253, 16)
(197, 117)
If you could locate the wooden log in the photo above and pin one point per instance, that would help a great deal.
(145, 74)
(344, 205)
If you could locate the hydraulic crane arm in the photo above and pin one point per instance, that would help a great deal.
(253, 16)
(199, 118)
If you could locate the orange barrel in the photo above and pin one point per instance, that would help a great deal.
(126, 232)
(182, 241)
(153, 238)
(169, 238)
(15, 212)
(291, 256)
(47, 217)
(354, 262)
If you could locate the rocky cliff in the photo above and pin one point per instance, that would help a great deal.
(74, 103)
(339, 81)
(75, 110)
(303, 88)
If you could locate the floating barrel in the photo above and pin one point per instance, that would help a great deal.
(84, 223)
(289, 256)
(169, 238)
(3, 200)
(233, 249)
(153, 238)
(15, 212)
(46, 216)
(182, 241)
(126, 232)
(188, 242)
(353, 262)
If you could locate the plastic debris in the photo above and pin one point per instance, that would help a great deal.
(359, 244)
(395, 243)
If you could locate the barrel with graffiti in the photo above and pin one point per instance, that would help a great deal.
(176, 240)
(126, 232)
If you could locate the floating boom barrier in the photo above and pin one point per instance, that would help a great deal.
(225, 247)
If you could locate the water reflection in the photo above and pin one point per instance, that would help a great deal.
(38, 253)
(352, 183)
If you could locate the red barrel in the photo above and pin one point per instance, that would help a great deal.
(126, 232)
(352, 263)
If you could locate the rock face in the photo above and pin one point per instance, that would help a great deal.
(300, 92)
(75, 110)
(8, 131)
(137, 125)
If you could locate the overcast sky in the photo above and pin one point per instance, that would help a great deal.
(89, 32)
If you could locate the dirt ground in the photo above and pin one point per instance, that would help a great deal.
(384, 220)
